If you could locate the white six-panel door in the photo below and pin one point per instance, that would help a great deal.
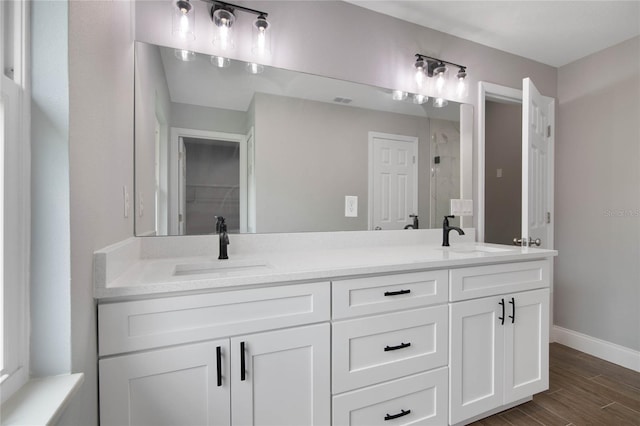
(537, 164)
(393, 187)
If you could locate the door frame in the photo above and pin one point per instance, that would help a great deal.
(491, 91)
(174, 188)
(410, 139)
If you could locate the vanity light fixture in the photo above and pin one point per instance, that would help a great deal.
(183, 20)
(223, 15)
(428, 66)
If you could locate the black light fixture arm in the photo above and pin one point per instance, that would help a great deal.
(233, 7)
(420, 56)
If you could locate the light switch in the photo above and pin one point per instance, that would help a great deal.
(351, 206)
(499, 173)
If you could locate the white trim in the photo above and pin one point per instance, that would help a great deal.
(608, 351)
(176, 134)
(410, 139)
(466, 159)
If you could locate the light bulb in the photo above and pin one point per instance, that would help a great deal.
(185, 55)
(399, 95)
(223, 38)
(261, 44)
(183, 20)
(253, 68)
(420, 67)
(440, 102)
(462, 88)
(420, 99)
(220, 61)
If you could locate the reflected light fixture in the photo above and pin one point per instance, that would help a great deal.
(220, 61)
(399, 95)
(185, 55)
(440, 102)
(183, 20)
(254, 68)
(430, 67)
(419, 99)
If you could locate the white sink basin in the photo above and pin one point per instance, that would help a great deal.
(219, 267)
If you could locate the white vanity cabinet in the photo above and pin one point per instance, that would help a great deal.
(498, 342)
(267, 377)
(391, 367)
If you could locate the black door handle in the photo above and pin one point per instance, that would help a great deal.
(219, 364)
(513, 309)
(243, 374)
(394, 348)
(395, 293)
(501, 303)
(395, 416)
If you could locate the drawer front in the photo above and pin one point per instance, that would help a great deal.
(374, 295)
(144, 324)
(491, 280)
(384, 347)
(420, 399)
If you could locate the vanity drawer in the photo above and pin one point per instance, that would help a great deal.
(374, 295)
(145, 324)
(491, 280)
(384, 347)
(424, 395)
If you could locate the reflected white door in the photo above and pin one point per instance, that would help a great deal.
(393, 186)
(537, 166)
(182, 186)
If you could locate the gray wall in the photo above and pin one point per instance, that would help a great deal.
(597, 196)
(50, 241)
(309, 155)
(101, 163)
(503, 150)
(212, 119)
(101, 110)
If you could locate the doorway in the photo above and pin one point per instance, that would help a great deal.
(503, 171)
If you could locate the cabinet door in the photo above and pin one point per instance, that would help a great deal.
(167, 387)
(526, 344)
(286, 377)
(476, 357)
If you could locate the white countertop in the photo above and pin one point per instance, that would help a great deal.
(157, 276)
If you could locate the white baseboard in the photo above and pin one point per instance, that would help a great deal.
(608, 351)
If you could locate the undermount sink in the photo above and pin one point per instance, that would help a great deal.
(219, 267)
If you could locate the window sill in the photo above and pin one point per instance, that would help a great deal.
(40, 401)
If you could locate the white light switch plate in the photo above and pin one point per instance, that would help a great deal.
(351, 206)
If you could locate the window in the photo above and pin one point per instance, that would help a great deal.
(14, 196)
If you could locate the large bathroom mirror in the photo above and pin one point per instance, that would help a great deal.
(284, 151)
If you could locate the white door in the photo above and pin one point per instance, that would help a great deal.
(476, 357)
(537, 166)
(393, 184)
(173, 386)
(526, 344)
(281, 377)
(182, 187)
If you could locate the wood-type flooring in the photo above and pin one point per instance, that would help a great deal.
(583, 390)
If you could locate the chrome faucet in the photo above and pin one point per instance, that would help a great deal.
(221, 229)
(445, 230)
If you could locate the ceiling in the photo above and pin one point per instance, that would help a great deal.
(552, 32)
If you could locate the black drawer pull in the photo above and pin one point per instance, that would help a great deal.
(219, 364)
(400, 346)
(395, 293)
(243, 371)
(501, 303)
(402, 413)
